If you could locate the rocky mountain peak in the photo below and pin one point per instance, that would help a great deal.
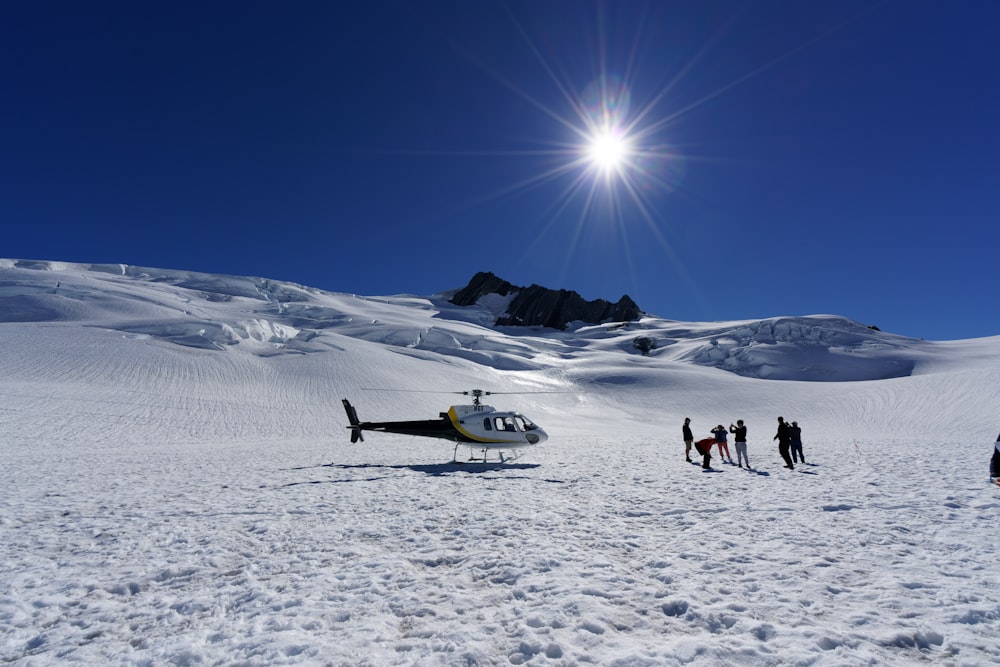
(539, 306)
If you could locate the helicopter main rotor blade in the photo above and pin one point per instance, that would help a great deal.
(467, 392)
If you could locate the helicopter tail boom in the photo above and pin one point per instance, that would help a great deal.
(352, 416)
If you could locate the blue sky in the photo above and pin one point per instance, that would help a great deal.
(784, 157)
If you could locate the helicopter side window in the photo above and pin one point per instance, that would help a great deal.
(505, 424)
(487, 425)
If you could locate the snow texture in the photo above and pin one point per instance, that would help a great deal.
(179, 487)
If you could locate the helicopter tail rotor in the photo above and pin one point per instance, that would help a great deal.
(352, 416)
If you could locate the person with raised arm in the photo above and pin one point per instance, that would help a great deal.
(740, 440)
(720, 439)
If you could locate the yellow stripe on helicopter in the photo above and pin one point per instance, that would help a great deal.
(476, 438)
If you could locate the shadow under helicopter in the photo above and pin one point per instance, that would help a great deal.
(435, 469)
(432, 469)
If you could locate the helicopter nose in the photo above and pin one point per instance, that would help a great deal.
(536, 436)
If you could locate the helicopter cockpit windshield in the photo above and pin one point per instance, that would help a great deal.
(525, 423)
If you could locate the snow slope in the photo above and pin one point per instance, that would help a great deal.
(180, 487)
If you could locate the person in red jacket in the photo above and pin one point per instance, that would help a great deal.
(704, 447)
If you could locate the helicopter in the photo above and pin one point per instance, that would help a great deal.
(479, 427)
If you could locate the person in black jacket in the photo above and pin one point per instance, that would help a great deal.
(740, 441)
(995, 463)
(784, 438)
(688, 438)
(796, 436)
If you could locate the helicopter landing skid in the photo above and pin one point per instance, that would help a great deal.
(511, 455)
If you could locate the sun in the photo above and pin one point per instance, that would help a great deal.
(608, 150)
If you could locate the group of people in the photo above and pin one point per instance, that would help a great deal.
(789, 437)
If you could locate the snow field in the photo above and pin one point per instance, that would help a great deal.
(259, 555)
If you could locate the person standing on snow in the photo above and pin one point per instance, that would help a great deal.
(741, 442)
(720, 439)
(784, 439)
(688, 438)
(995, 463)
(795, 434)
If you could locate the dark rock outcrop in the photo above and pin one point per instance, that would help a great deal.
(538, 306)
(644, 344)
